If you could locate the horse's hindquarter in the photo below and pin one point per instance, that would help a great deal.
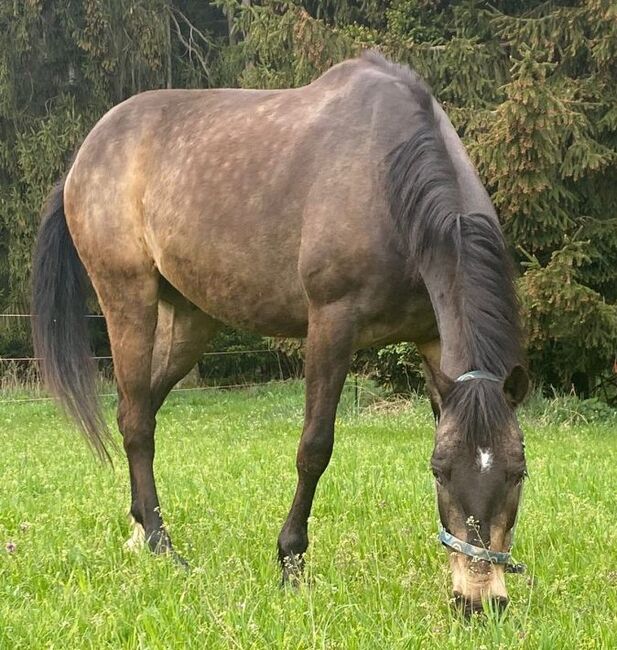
(250, 203)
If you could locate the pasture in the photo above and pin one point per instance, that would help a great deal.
(226, 475)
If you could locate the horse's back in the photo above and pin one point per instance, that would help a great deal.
(249, 202)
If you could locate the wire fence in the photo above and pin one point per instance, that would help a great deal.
(20, 400)
(222, 353)
(33, 315)
(19, 361)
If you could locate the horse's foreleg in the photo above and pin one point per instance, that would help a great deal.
(328, 354)
(431, 360)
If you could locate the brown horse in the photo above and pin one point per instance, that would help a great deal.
(346, 211)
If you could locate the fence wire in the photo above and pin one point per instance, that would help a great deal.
(263, 384)
(109, 358)
(222, 353)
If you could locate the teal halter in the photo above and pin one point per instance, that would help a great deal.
(477, 374)
(458, 545)
(479, 553)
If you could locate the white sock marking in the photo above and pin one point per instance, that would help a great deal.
(137, 540)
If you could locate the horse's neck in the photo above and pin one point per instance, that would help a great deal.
(475, 197)
(448, 305)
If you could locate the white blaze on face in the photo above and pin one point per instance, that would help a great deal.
(485, 459)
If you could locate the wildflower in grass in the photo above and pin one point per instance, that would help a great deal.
(10, 547)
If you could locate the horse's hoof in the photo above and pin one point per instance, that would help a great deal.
(179, 561)
(158, 542)
(292, 571)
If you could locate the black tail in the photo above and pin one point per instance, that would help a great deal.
(59, 330)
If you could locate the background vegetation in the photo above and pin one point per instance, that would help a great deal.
(531, 87)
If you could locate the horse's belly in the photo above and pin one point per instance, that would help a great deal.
(245, 290)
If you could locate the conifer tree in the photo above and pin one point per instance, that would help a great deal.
(531, 87)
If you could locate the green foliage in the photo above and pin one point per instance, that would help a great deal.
(285, 47)
(571, 330)
(415, 21)
(531, 87)
(61, 67)
(567, 410)
(397, 367)
(548, 154)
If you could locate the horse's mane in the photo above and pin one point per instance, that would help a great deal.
(426, 204)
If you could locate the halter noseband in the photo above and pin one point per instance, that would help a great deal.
(477, 552)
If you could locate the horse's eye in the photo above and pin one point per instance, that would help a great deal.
(439, 477)
(520, 477)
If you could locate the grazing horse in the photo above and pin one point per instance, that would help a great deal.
(346, 212)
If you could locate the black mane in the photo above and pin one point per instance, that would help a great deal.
(426, 204)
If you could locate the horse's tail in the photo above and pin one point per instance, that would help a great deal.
(59, 330)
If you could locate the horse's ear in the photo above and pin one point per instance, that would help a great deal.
(516, 386)
(439, 386)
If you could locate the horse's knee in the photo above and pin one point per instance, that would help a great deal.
(314, 454)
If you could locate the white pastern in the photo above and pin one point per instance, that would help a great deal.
(137, 540)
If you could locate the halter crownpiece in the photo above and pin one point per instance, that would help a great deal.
(477, 374)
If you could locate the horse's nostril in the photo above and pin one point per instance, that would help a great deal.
(480, 567)
(465, 605)
(468, 606)
(499, 603)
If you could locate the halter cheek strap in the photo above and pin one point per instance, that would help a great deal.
(477, 552)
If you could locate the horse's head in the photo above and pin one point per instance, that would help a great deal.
(479, 466)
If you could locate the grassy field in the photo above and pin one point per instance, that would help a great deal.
(225, 467)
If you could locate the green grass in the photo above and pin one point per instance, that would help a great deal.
(226, 475)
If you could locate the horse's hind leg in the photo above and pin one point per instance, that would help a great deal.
(182, 332)
(328, 354)
(131, 315)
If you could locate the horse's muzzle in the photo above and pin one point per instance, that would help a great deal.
(477, 584)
